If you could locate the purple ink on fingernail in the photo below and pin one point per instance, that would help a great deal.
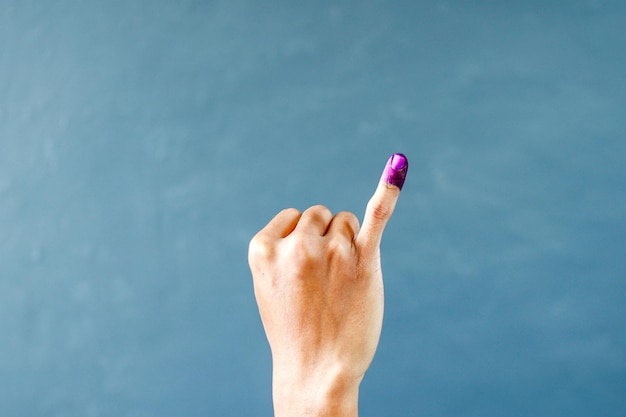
(395, 170)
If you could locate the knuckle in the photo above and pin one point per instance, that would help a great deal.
(347, 216)
(301, 252)
(289, 211)
(338, 249)
(306, 255)
(319, 207)
(319, 210)
(260, 248)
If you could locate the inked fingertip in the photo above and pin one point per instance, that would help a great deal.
(396, 170)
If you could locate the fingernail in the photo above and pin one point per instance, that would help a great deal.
(396, 169)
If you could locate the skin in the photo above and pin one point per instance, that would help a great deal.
(319, 288)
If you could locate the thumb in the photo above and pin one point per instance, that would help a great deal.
(380, 206)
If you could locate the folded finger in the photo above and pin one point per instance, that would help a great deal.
(344, 224)
(314, 220)
(282, 224)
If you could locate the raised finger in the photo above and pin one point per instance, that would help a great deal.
(381, 205)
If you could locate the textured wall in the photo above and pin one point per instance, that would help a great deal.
(142, 143)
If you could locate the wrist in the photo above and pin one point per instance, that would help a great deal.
(328, 395)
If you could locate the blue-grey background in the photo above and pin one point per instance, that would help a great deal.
(142, 144)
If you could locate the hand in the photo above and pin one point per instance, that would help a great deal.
(319, 287)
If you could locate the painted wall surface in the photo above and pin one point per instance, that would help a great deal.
(142, 144)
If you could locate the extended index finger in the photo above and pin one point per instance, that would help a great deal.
(381, 205)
